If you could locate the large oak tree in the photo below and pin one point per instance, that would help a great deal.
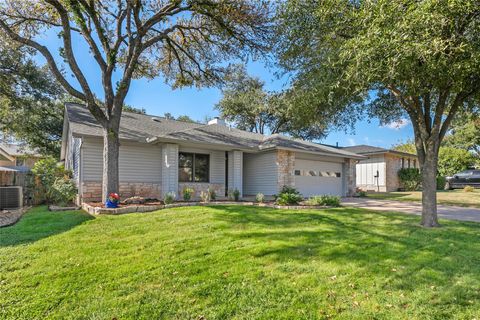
(399, 58)
(184, 41)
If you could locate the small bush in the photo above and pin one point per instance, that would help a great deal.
(288, 196)
(441, 182)
(205, 196)
(410, 178)
(236, 194)
(187, 193)
(360, 193)
(64, 191)
(213, 194)
(169, 197)
(324, 200)
(468, 189)
(48, 170)
(260, 197)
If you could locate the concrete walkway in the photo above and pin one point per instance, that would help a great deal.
(444, 212)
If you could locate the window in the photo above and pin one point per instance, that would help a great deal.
(298, 173)
(19, 162)
(193, 167)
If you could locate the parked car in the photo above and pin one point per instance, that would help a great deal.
(465, 178)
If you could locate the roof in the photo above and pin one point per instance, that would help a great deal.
(14, 169)
(16, 150)
(364, 149)
(151, 129)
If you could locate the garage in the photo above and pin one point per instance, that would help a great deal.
(318, 177)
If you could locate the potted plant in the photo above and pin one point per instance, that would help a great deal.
(112, 200)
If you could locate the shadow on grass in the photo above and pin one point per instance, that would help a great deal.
(39, 223)
(375, 242)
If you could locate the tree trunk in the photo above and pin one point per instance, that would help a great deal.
(111, 146)
(429, 189)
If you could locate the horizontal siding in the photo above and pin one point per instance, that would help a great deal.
(137, 163)
(260, 173)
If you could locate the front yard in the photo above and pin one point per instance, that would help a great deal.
(238, 262)
(456, 197)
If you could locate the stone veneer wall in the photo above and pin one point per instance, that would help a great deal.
(286, 166)
(350, 177)
(92, 190)
(199, 187)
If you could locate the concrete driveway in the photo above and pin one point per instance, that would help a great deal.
(444, 212)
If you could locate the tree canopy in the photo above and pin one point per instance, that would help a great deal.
(387, 58)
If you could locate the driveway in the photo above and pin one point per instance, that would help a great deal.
(445, 212)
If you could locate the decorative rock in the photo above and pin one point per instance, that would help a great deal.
(134, 200)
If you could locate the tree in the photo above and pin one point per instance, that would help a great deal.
(247, 104)
(30, 102)
(419, 59)
(184, 118)
(407, 146)
(465, 133)
(184, 41)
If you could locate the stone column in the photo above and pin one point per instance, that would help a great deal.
(169, 168)
(235, 171)
(350, 177)
(286, 166)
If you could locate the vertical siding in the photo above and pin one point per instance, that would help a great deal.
(235, 171)
(75, 158)
(260, 173)
(170, 168)
(367, 169)
(137, 162)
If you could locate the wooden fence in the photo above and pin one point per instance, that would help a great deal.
(30, 185)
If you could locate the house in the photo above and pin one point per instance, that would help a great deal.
(16, 157)
(159, 155)
(379, 172)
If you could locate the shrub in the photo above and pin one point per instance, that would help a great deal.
(468, 189)
(64, 191)
(288, 196)
(47, 170)
(453, 160)
(213, 194)
(169, 197)
(205, 196)
(324, 200)
(410, 178)
(360, 193)
(236, 194)
(441, 182)
(260, 197)
(187, 193)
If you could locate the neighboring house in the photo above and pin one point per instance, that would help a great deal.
(380, 171)
(159, 155)
(16, 156)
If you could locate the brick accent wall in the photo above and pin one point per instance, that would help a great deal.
(350, 177)
(92, 190)
(199, 187)
(286, 166)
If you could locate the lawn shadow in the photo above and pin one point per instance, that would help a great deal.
(375, 242)
(39, 223)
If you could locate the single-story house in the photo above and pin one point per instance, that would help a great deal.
(379, 171)
(159, 155)
(15, 155)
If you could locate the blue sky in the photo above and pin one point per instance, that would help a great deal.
(157, 98)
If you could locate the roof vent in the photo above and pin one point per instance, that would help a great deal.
(218, 121)
(157, 119)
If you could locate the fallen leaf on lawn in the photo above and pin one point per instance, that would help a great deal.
(356, 303)
(394, 270)
(333, 277)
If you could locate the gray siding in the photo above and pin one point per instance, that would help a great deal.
(170, 168)
(235, 171)
(137, 163)
(260, 173)
(77, 142)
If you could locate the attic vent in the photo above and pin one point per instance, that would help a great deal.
(157, 119)
(10, 197)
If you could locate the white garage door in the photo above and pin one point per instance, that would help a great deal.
(318, 177)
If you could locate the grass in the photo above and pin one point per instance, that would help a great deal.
(233, 262)
(456, 197)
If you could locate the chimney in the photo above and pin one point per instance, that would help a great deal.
(218, 121)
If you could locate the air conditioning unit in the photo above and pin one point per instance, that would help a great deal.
(11, 197)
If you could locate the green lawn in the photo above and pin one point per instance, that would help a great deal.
(238, 262)
(456, 197)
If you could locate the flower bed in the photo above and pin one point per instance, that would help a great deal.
(98, 208)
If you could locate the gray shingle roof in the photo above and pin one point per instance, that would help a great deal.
(143, 128)
(16, 150)
(366, 149)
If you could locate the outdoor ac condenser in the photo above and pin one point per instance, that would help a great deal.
(11, 197)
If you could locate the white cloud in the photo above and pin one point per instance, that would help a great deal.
(397, 125)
